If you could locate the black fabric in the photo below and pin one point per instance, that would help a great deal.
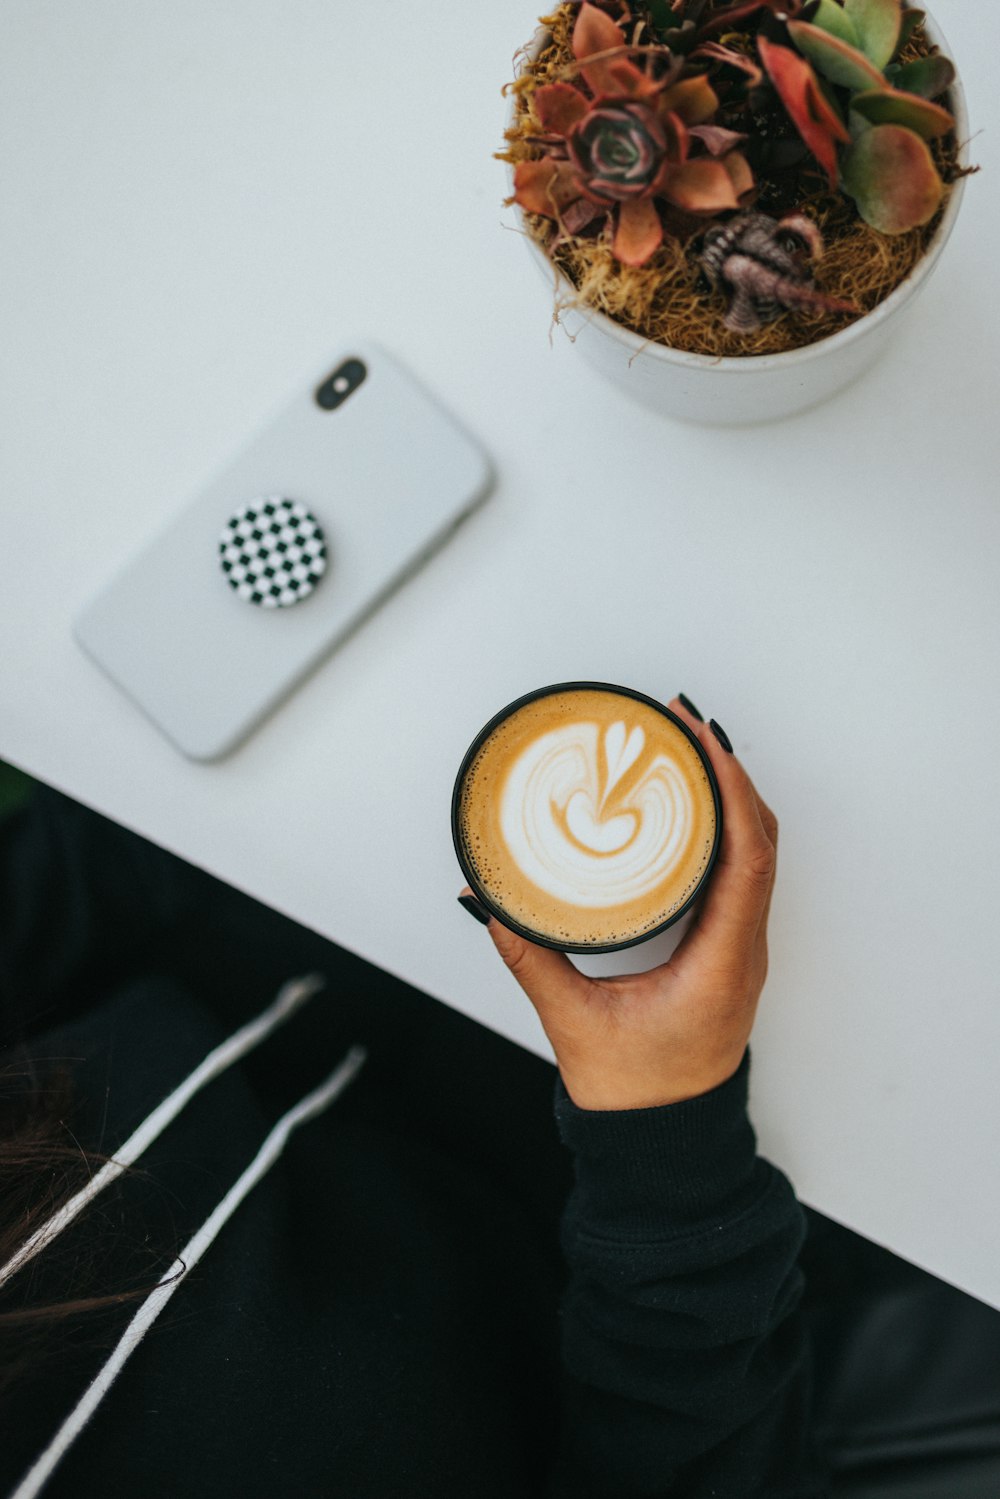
(682, 1305)
(446, 1286)
(909, 1398)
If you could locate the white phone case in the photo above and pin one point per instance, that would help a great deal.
(388, 475)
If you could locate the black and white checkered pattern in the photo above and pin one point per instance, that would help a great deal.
(273, 552)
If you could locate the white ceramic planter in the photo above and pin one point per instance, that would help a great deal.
(760, 388)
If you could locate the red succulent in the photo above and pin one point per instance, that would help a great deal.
(618, 150)
(798, 88)
(633, 137)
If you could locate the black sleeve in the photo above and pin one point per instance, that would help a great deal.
(80, 897)
(685, 1362)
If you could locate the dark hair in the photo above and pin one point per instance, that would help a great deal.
(42, 1165)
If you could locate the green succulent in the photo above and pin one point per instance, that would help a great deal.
(863, 114)
(887, 167)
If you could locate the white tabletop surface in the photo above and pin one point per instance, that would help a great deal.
(199, 202)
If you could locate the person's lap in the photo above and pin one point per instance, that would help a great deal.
(907, 1368)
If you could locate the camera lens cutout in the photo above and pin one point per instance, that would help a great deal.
(344, 381)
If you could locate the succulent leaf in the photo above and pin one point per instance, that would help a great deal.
(811, 113)
(878, 24)
(716, 139)
(595, 34)
(560, 106)
(911, 19)
(677, 135)
(580, 215)
(693, 99)
(835, 59)
(639, 233)
(833, 18)
(929, 77)
(701, 186)
(740, 174)
(544, 186)
(889, 106)
(890, 174)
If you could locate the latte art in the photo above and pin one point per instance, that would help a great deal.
(595, 818)
(587, 816)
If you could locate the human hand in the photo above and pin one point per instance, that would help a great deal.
(646, 1039)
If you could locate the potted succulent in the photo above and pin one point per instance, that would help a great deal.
(740, 195)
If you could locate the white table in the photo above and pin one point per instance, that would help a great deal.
(199, 203)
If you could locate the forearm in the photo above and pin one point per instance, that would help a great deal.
(686, 1363)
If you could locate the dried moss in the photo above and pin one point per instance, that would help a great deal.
(667, 300)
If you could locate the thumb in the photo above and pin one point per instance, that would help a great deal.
(547, 977)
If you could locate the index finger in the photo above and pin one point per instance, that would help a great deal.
(736, 901)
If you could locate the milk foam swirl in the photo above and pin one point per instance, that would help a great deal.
(587, 826)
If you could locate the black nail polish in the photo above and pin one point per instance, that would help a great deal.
(686, 702)
(475, 908)
(720, 735)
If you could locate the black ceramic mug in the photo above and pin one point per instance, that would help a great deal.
(586, 817)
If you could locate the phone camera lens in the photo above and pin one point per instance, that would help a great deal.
(344, 381)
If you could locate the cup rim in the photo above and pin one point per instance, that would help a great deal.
(510, 922)
(752, 364)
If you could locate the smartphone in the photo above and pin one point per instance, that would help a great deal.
(284, 553)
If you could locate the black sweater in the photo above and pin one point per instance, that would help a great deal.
(389, 1311)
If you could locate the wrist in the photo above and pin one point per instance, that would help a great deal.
(689, 1160)
(610, 1092)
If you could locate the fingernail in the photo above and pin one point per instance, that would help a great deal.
(686, 702)
(720, 735)
(475, 908)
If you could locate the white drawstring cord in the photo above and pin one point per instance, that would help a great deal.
(290, 997)
(307, 1108)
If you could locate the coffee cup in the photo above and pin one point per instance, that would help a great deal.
(586, 817)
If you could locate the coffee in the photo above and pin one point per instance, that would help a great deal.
(586, 816)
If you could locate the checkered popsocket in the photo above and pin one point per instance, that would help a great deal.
(273, 552)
